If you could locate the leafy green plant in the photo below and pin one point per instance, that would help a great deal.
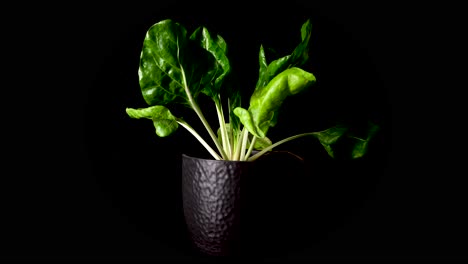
(178, 68)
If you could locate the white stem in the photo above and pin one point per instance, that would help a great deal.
(259, 154)
(231, 141)
(200, 139)
(229, 144)
(251, 147)
(223, 130)
(238, 146)
(197, 110)
(244, 144)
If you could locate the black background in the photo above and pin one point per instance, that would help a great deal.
(83, 181)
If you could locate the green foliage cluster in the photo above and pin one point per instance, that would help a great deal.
(177, 68)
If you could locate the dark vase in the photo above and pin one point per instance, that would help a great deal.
(211, 192)
(269, 193)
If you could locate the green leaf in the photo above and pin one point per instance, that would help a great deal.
(272, 93)
(361, 145)
(261, 143)
(329, 137)
(299, 57)
(170, 60)
(266, 101)
(263, 67)
(160, 71)
(220, 66)
(340, 139)
(301, 54)
(163, 120)
(175, 69)
(248, 122)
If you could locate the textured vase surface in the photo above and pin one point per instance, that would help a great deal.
(212, 203)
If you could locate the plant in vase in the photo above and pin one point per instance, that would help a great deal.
(179, 68)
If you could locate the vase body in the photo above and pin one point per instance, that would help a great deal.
(211, 192)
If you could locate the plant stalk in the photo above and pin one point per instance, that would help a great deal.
(222, 127)
(259, 154)
(200, 139)
(251, 147)
(238, 145)
(244, 143)
(198, 111)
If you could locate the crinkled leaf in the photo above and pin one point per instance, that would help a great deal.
(168, 55)
(163, 120)
(248, 122)
(299, 57)
(220, 67)
(268, 116)
(160, 73)
(266, 101)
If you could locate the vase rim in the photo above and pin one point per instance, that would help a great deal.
(214, 160)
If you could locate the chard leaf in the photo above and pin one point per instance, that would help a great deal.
(266, 101)
(361, 145)
(339, 139)
(163, 120)
(248, 122)
(331, 135)
(220, 67)
(263, 67)
(160, 71)
(261, 143)
(170, 60)
(298, 58)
